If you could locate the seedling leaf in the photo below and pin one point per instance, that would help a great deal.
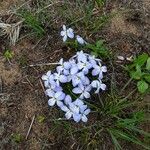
(148, 64)
(147, 78)
(141, 60)
(142, 86)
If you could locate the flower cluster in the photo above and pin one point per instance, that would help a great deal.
(73, 82)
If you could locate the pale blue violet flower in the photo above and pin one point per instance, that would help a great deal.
(65, 33)
(85, 66)
(78, 78)
(60, 78)
(48, 79)
(84, 112)
(84, 91)
(68, 100)
(56, 98)
(81, 57)
(64, 67)
(78, 102)
(74, 69)
(72, 111)
(98, 70)
(80, 40)
(98, 85)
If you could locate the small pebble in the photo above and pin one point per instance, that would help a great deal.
(121, 58)
(130, 58)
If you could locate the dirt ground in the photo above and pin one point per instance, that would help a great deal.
(21, 91)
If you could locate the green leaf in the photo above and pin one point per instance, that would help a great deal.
(115, 141)
(99, 43)
(136, 74)
(128, 137)
(140, 131)
(141, 60)
(148, 64)
(142, 86)
(147, 78)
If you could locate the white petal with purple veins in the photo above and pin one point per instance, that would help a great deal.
(67, 99)
(74, 70)
(103, 87)
(77, 90)
(104, 69)
(51, 102)
(68, 115)
(49, 92)
(67, 65)
(65, 38)
(78, 102)
(87, 111)
(86, 94)
(82, 108)
(61, 97)
(84, 118)
(70, 33)
(95, 72)
(63, 79)
(76, 117)
(57, 94)
(80, 40)
(64, 108)
(59, 103)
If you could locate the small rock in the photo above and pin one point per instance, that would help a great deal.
(121, 58)
(130, 58)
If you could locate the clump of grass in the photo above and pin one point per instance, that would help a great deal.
(85, 14)
(31, 22)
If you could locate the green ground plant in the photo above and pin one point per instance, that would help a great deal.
(41, 119)
(99, 49)
(16, 137)
(100, 2)
(8, 54)
(32, 22)
(139, 70)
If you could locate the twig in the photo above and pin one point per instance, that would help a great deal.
(47, 7)
(100, 100)
(1, 85)
(44, 64)
(22, 5)
(126, 85)
(30, 127)
(37, 43)
(29, 82)
(130, 94)
(2, 94)
(42, 86)
(59, 119)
